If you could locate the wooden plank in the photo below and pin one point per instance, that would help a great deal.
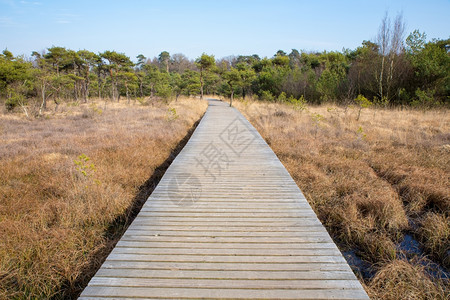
(143, 292)
(244, 231)
(249, 224)
(208, 233)
(246, 259)
(224, 274)
(228, 251)
(219, 283)
(269, 267)
(226, 239)
(227, 209)
(218, 218)
(227, 215)
(224, 204)
(184, 244)
(254, 229)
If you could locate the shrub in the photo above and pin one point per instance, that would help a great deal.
(298, 104)
(267, 96)
(282, 97)
(362, 102)
(164, 91)
(425, 99)
(15, 99)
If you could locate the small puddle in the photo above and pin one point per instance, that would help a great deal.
(409, 246)
(358, 265)
(435, 270)
(408, 249)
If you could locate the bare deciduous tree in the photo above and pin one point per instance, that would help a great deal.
(390, 44)
(383, 43)
(396, 49)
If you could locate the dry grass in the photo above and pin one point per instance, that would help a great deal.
(434, 234)
(370, 182)
(70, 181)
(400, 279)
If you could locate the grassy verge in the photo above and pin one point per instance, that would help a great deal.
(71, 181)
(373, 182)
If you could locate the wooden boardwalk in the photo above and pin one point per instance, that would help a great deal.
(226, 221)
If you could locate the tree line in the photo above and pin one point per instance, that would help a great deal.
(391, 70)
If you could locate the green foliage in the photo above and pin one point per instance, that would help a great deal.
(403, 96)
(432, 67)
(363, 102)
(164, 91)
(73, 104)
(13, 71)
(116, 65)
(425, 99)
(83, 166)
(164, 58)
(16, 81)
(142, 101)
(415, 42)
(205, 62)
(267, 81)
(317, 120)
(281, 61)
(141, 61)
(14, 99)
(232, 76)
(57, 57)
(360, 133)
(172, 114)
(211, 81)
(266, 96)
(332, 77)
(116, 60)
(95, 109)
(417, 75)
(189, 83)
(233, 79)
(8, 54)
(282, 97)
(384, 101)
(247, 75)
(86, 170)
(298, 104)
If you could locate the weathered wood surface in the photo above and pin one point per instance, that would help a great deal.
(226, 221)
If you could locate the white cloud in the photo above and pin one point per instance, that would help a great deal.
(66, 18)
(62, 21)
(7, 22)
(30, 3)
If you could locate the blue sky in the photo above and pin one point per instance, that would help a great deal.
(216, 27)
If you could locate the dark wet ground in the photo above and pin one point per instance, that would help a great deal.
(408, 249)
(358, 265)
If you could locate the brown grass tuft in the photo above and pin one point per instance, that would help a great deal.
(400, 279)
(434, 234)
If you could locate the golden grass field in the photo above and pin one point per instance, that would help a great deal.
(71, 181)
(372, 182)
